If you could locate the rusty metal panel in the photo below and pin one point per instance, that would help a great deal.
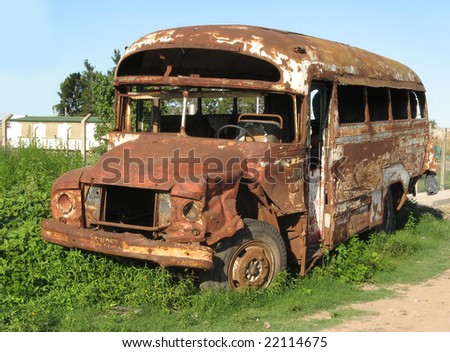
(298, 57)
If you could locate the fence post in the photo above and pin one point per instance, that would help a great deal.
(5, 130)
(443, 160)
(83, 136)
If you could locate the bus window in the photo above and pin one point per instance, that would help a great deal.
(399, 100)
(378, 101)
(250, 105)
(283, 105)
(217, 106)
(417, 101)
(351, 104)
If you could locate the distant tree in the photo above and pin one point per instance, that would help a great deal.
(88, 92)
(218, 105)
(116, 58)
(104, 99)
(77, 92)
(103, 106)
(71, 90)
(88, 80)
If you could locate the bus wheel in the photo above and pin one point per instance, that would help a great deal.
(388, 213)
(250, 258)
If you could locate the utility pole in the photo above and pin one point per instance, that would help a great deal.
(443, 157)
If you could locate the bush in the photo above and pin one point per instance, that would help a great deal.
(353, 262)
(27, 174)
(34, 272)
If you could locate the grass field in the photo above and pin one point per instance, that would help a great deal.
(44, 287)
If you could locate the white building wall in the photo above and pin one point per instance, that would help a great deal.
(60, 135)
(14, 133)
(90, 136)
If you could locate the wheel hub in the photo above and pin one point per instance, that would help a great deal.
(252, 266)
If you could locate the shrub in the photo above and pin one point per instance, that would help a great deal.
(351, 262)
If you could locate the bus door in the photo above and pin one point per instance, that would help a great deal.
(319, 102)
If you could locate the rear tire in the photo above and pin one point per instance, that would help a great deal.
(250, 258)
(388, 213)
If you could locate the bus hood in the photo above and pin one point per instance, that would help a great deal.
(159, 161)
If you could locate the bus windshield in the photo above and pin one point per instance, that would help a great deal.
(208, 113)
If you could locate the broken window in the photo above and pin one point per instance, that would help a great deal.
(417, 103)
(160, 109)
(378, 102)
(351, 104)
(399, 100)
(190, 62)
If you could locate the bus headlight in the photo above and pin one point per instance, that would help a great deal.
(191, 211)
(65, 203)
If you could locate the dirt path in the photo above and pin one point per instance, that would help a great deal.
(420, 307)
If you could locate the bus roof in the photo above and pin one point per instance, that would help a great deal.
(298, 58)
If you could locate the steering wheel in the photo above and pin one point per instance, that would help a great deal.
(242, 129)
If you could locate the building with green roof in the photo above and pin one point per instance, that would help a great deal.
(52, 132)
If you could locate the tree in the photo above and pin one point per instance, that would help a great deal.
(104, 99)
(88, 81)
(70, 93)
(88, 92)
(116, 58)
(103, 106)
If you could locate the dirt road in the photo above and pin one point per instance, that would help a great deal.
(420, 307)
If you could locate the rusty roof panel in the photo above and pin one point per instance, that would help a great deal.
(295, 55)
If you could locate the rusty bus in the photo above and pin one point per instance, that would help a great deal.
(237, 150)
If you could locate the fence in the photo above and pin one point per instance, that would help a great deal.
(51, 132)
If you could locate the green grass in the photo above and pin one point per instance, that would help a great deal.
(424, 249)
(221, 311)
(44, 287)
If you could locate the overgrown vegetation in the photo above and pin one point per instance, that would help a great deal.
(44, 287)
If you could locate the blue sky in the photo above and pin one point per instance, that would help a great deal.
(42, 42)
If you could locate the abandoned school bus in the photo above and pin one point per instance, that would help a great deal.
(237, 150)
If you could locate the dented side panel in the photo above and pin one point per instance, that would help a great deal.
(372, 158)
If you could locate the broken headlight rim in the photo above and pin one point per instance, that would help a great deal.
(191, 212)
(65, 203)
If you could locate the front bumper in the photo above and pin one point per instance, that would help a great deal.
(128, 245)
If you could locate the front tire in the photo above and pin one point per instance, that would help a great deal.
(251, 258)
